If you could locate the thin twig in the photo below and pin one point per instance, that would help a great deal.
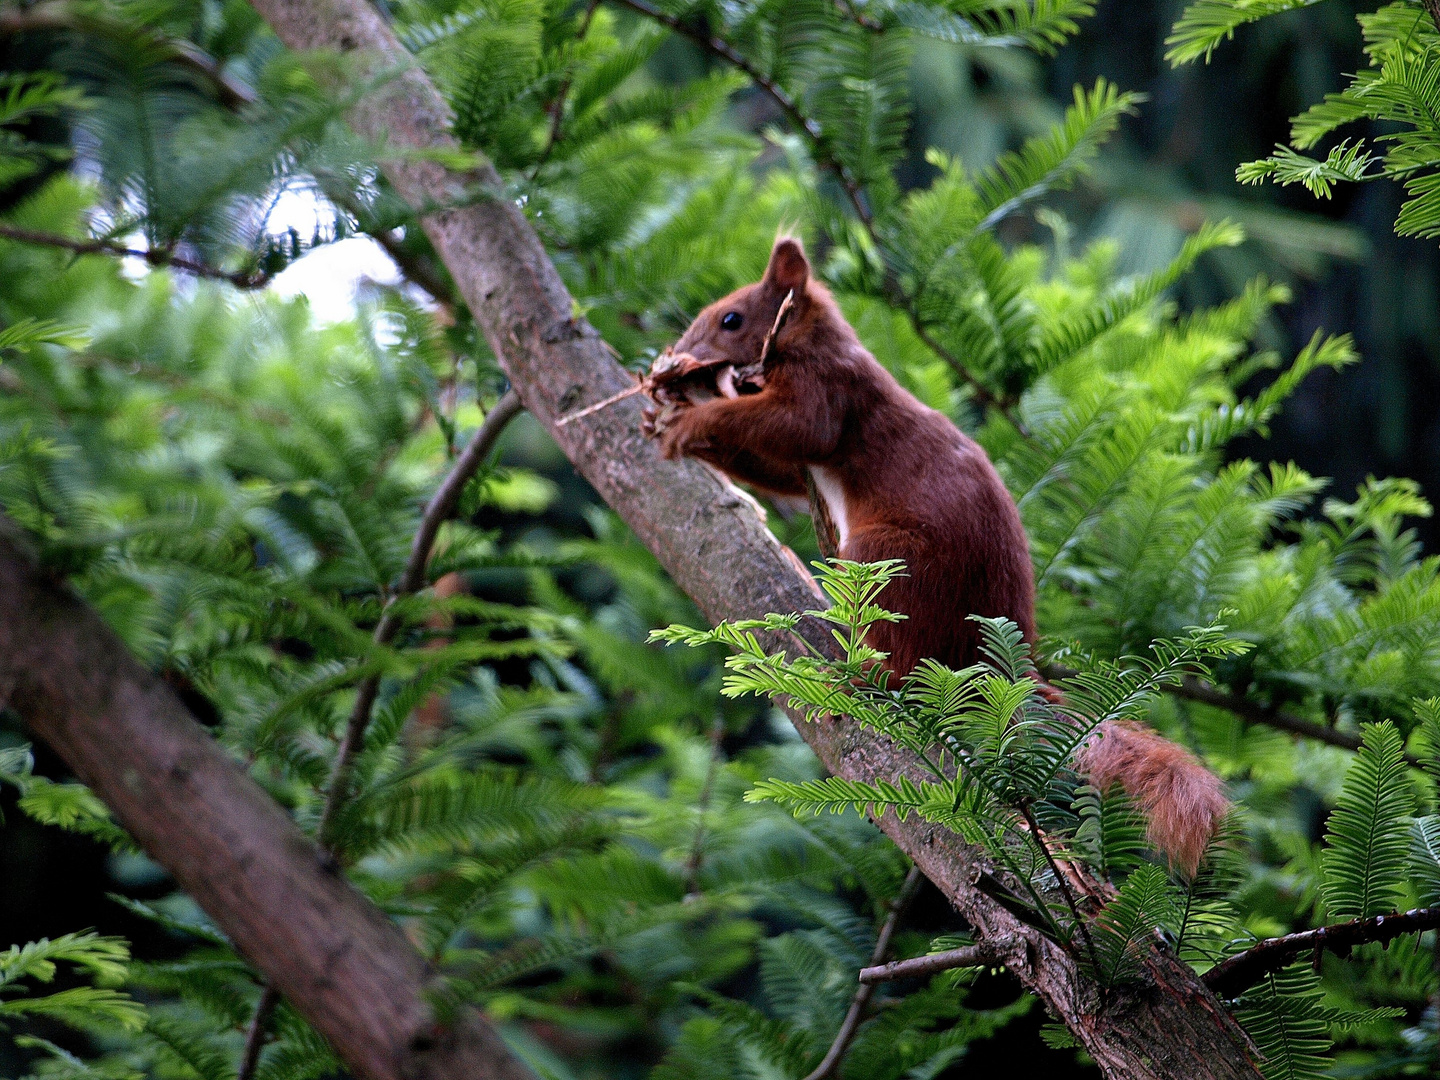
(241, 279)
(777, 93)
(978, 390)
(437, 512)
(697, 846)
(1230, 977)
(859, 18)
(415, 268)
(1192, 689)
(255, 1032)
(232, 92)
(977, 955)
(557, 107)
(866, 991)
(1061, 880)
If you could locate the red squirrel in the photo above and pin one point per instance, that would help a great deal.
(898, 480)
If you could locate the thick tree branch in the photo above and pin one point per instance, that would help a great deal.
(241, 279)
(345, 966)
(1235, 975)
(709, 538)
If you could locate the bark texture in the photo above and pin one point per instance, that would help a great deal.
(336, 957)
(708, 535)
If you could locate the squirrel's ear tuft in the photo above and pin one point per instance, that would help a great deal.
(788, 269)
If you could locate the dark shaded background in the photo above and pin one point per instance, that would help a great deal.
(1381, 417)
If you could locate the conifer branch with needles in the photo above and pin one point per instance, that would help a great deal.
(54, 16)
(439, 510)
(830, 1063)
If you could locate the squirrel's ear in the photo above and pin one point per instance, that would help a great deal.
(788, 269)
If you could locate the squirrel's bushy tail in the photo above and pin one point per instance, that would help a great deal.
(1182, 800)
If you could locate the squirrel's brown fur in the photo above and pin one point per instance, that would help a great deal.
(901, 482)
(1183, 801)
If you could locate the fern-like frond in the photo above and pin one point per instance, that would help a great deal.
(1052, 160)
(1344, 163)
(1206, 23)
(1367, 839)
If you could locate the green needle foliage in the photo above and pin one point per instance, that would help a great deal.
(1366, 841)
(579, 829)
(1397, 93)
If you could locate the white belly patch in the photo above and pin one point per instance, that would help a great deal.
(828, 485)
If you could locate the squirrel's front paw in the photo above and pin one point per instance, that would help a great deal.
(678, 439)
(674, 442)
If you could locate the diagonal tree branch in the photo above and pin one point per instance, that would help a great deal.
(709, 537)
(1193, 689)
(808, 126)
(345, 966)
(255, 1033)
(920, 967)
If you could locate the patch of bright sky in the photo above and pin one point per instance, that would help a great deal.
(330, 275)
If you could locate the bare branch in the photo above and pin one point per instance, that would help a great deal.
(859, 18)
(980, 954)
(557, 107)
(1231, 977)
(1193, 689)
(255, 1033)
(978, 390)
(702, 807)
(866, 991)
(415, 267)
(241, 279)
(438, 511)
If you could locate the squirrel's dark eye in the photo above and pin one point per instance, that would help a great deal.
(731, 321)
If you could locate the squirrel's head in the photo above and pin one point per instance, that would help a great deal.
(733, 330)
